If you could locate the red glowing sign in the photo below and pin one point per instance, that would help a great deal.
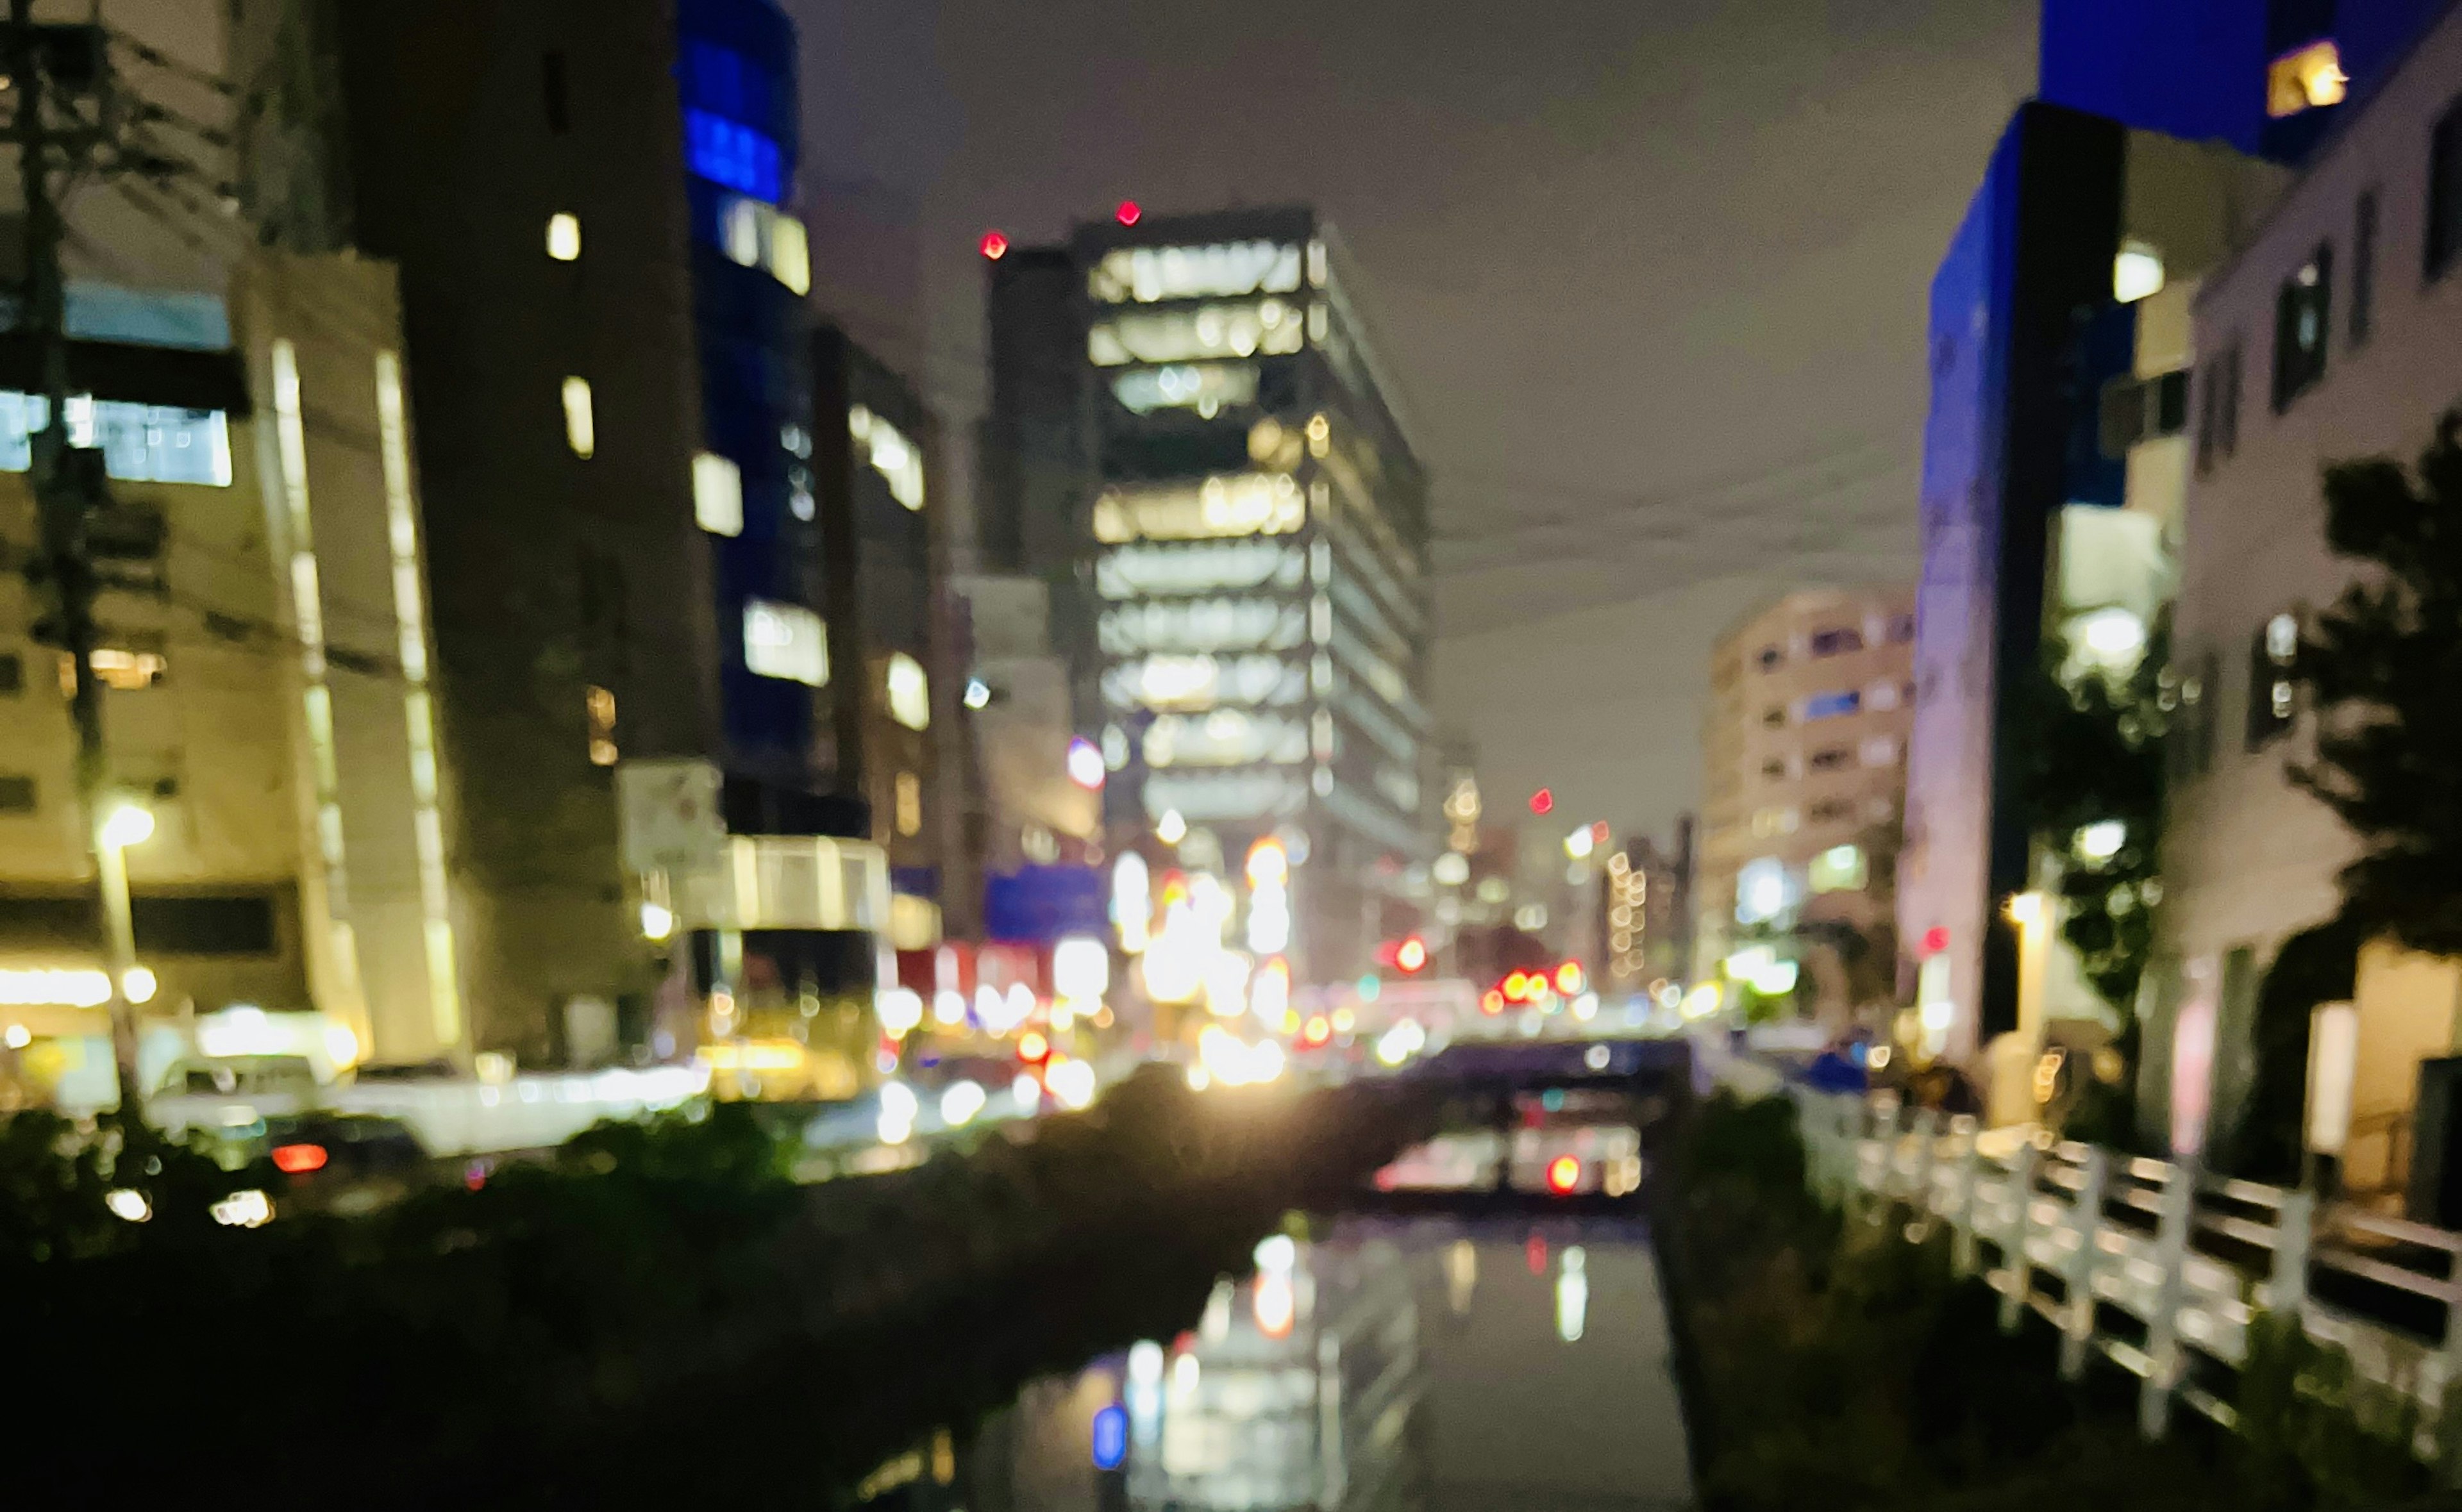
(298, 1160)
(1128, 214)
(1544, 801)
(994, 245)
(1563, 1173)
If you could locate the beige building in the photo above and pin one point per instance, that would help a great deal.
(1803, 772)
(2336, 333)
(267, 694)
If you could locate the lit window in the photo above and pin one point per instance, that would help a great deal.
(1203, 624)
(2136, 272)
(1226, 504)
(121, 671)
(601, 706)
(1271, 326)
(580, 425)
(790, 254)
(898, 460)
(786, 642)
(1763, 890)
(1144, 275)
(1880, 751)
(1840, 868)
(717, 494)
(910, 804)
(1205, 387)
(1830, 706)
(564, 236)
(2305, 79)
(139, 442)
(910, 692)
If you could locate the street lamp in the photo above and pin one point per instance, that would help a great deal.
(126, 824)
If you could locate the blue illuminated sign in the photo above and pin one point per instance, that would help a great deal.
(729, 153)
(1111, 1437)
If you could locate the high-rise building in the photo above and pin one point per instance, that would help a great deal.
(1804, 770)
(1192, 441)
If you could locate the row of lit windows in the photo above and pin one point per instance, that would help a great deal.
(1205, 387)
(1145, 570)
(1226, 738)
(1196, 684)
(1879, 698)
(1226, 504)
(1269, 327)
(1775, 821)
(1203, 624)
(756, 234)
(1147, 274)
(1841, 640)
(1881, 750)
(139, 442)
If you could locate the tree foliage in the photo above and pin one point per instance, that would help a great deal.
(2095, 755)
(2382, 667)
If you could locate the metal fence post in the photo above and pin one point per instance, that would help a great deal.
(2286, 1290)
(2016, 1271)
(2163, 1328)
(1962, 1247)
(2085, 1219)
(1927, 1150)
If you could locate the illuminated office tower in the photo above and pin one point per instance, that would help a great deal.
(1192, 441)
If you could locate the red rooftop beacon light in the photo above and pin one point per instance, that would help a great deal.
(1129, 213)
(994, 245)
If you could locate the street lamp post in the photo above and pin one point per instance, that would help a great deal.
(118, 826)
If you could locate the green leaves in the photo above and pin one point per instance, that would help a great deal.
(2381, 667)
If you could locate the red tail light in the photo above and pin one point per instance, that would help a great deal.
(1563, 1173)
(298, 1160)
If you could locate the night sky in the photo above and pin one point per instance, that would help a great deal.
(1650, 273)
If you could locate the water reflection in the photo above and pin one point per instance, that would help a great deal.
(1422, 1366)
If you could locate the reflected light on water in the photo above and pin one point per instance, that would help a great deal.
(1572, 1295)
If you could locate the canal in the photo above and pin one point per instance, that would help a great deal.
(1501, 1358)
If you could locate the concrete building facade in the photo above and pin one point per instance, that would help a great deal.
(1804, 767)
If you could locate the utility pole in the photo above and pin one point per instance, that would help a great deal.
(68, 496)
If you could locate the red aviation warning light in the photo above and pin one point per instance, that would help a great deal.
(1129, 213)
(1544, 801)
(994, 245)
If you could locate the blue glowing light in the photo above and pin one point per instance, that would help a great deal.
(729, 153)
(1111, 1437)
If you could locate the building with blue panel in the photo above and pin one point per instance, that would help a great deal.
(604, 286)
(2263, 75)
(2055, 466)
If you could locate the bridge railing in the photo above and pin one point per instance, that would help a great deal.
(2156, 1264)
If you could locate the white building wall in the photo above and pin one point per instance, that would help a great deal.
(2249, 860)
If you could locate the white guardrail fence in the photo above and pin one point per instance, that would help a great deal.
(2155, 1265)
